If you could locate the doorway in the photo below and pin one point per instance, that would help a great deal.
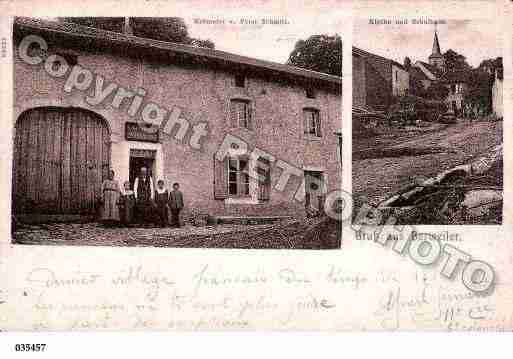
(61, 157)
(314, 190)
(138, 159)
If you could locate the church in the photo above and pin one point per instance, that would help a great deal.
(435, 71)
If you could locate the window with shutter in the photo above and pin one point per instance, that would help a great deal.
(318, 125)
(310, 92)
(312, 122)
(249, 114)
(240, 80)
(238, 177)
(240, 114)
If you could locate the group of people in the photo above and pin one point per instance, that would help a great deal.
(145, 205)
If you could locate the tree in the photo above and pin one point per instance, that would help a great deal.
(455, 61)
(436, 91)
(491, 65)
(416, 87)
(321, 53)
(169, 29)
(478, 92)
(407, 63)
(115, 24)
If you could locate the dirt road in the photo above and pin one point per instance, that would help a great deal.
(312, 233)
(396, 161)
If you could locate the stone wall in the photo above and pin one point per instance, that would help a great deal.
(200, 94)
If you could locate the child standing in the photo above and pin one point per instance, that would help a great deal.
(127, 205)
(161, 200)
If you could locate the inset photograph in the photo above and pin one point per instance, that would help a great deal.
(172, 132)
(427, 120)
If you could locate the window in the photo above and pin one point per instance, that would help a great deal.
(312, 122)
(34, 50)
(240, 80)
(240, 114)
(71, 59)
(238, 177)
(396, 76)
(310, 92)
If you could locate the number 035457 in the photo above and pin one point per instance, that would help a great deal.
(30, 347)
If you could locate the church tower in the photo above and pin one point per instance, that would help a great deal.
(436, 59)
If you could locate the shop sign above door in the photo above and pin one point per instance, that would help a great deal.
(136, 131)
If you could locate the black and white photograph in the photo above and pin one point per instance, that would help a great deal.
(427, 126)
(173, 132)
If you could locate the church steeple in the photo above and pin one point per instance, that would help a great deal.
(436, 46)
(436, 58)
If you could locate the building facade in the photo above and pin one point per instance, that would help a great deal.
(400, 80)
(377, 80)
(66, 140)
(456, 83)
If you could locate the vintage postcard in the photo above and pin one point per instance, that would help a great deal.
(192, 166)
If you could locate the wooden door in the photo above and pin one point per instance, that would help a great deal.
(61, 157)
(314, 189)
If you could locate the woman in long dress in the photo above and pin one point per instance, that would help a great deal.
(110, 197)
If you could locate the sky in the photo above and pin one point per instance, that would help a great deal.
(476, 40)
(265, 42)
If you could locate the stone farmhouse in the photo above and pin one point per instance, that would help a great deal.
(65, 139)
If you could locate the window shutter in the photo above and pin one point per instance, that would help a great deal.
(220, 179)
(306, 126)
(264, 187)
(233, 114)
(318, 124)
(249, 115)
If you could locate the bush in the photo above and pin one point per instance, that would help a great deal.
(409, 109)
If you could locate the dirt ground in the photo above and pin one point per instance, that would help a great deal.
(314, 233)
(384, 164)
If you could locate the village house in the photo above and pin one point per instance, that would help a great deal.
(457, 83)
(377, 80)
(65, 143)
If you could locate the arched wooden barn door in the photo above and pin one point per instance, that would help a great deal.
(61, 156)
